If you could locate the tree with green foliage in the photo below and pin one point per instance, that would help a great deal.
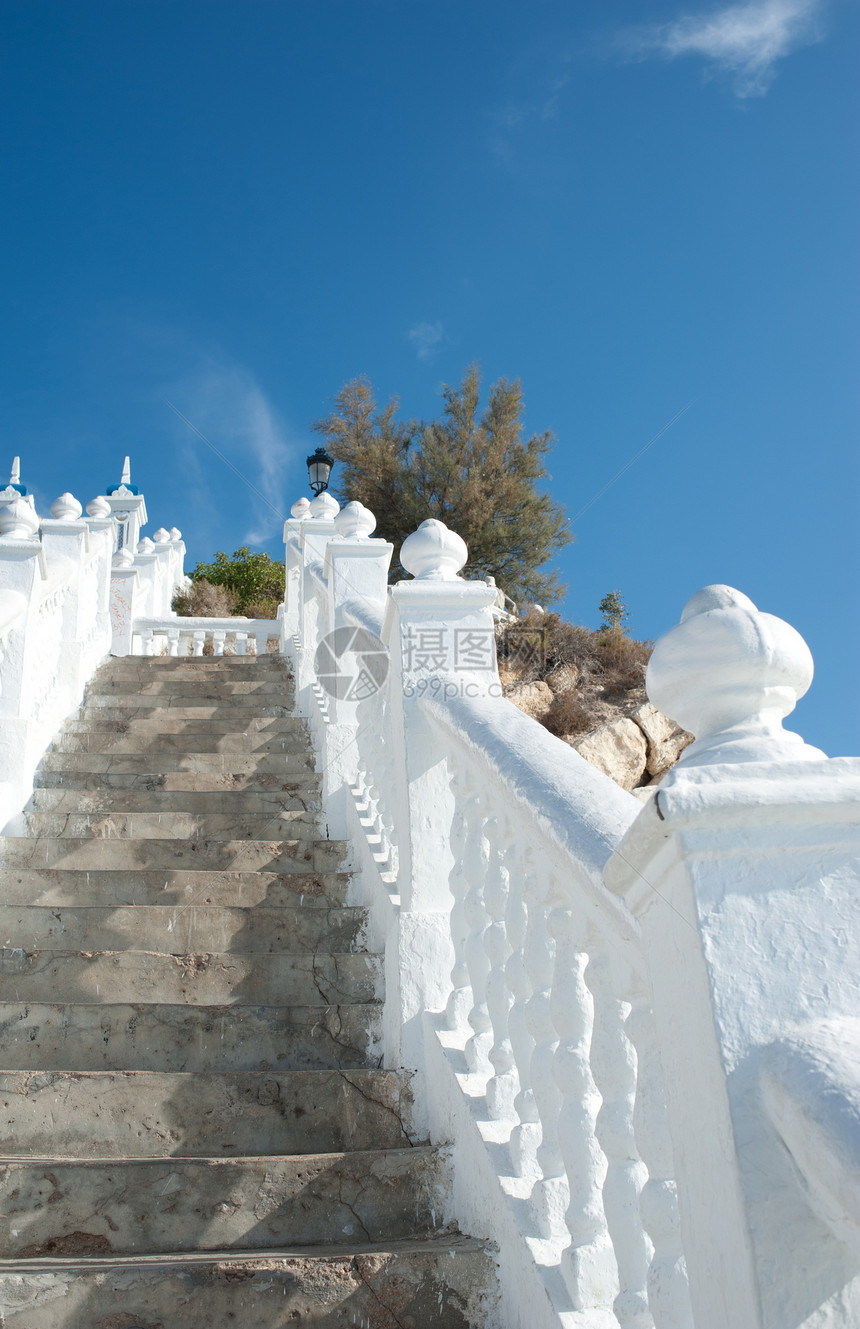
(613, 612)
(255, 582)
(472, 469)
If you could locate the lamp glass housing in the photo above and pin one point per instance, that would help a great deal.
(319, 470)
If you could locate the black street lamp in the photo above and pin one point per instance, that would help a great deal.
(319, 470)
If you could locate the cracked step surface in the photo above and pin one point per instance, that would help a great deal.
(176, 825)
(199, 978)
(182, 929)
(148, 1036)
(108, 742)
(254, 802)
(68, 887)
(225, 763)
(143, 1206)
(214, 780)
(149, 1114)
(184, 720)
(442, 1284)
(126, 854)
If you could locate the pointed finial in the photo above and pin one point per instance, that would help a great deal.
(15, 477)
(126, 472)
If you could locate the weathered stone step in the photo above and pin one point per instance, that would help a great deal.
(195, 690)
(205, 669)
(200, 978)
(446, 1283)
(146, 1206)
(183, 720)
(109, 741)
(205, 856)
(62, 887)
(175, 825)
(181, 929)
(96, 800)
(285, 765)
(148, 1037)
(145, 1114)
(256, 703)
(300, 783)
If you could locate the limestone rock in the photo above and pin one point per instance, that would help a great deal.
(533, 699)
(618, 749)
(666, 739)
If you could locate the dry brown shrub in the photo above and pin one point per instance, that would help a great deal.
(568, 714)
(204, 600)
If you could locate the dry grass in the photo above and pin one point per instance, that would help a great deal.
(596, 676)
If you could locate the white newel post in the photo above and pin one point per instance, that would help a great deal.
(313, 535)
(744, 872)
(439, 631)
(355, 666)
(292, 571)
(23, 572)
(123, 586)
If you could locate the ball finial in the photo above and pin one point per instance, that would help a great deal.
(355, 521)
(729, 674)
(66, 508)
(434, 552)
(324, 507)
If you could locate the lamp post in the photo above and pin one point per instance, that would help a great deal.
(319, 469)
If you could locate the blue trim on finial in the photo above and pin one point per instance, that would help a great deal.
(113, 488)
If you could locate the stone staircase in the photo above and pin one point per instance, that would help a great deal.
(196, 1128)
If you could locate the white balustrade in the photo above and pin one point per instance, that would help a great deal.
(635, 1025)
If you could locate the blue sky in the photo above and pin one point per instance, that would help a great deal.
(630, 207)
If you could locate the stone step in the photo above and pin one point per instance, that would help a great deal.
(165, 854)
(183, 929)
(63, 887)
(300, 783)
(107, 742)
(191, 826)
(205, 669)
(285, 765)
(183, 720)
(446, 1283)
(195, 690)
(146, 1206)
(199, 978)
(148, 1037)
(256, 703)
(98, 800)
(147, 1114)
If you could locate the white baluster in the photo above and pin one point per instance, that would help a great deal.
(525, 1136)
(503, 1085)
(549, 1193)
(460, 998)
(241, 642)
(262, 639)
(476, 864)
(173, 641)
(199, 639)
(613, 1065)
(668, 1293)
(146, 639)
(219, 636)
(588, 1264)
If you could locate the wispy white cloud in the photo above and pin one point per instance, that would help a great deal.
(427, 339)
(226, 403)
(743, 40)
